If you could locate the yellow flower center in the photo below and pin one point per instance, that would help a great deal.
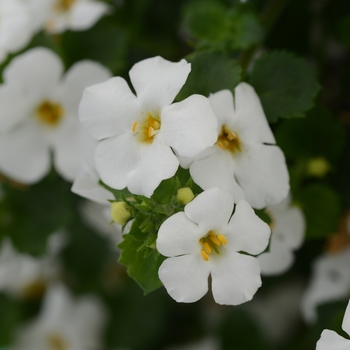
(50, 113)
(211, 242)
(57, 342)
(228, 140)
(148, 129)
(34, 290)
(65, 5)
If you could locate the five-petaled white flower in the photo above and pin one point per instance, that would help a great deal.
(64, 323)
(330, 340)
(39, 113)
(205, 239)
(16, 28)
(56, 16)
(288, 228)
(137, 134)
(245, 160)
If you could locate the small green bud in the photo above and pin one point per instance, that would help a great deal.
(318, 167)
(120, 212)
(184, 195)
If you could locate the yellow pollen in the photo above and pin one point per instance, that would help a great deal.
(204, 255)
(222, 239)
(228, 140)
(50, 113)
(57, 342)
(65, 5)
(147, 129)
(34, 290)
(211, 242)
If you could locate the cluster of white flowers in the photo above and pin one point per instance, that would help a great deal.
(21, 19)
(230, 150)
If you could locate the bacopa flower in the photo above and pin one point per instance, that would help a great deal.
(245, 160)
(330, 340)
(137, 133)
(288, 228)
(205, 240)
(39, 113)
(64, 323)
(15, 27)
(56, 16)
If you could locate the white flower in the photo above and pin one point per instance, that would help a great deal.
(15, 27)
(245, 160)
(56, 16)
(205, 239)
(137, 134)
(330, 340)
(64, 323)
(25, 276)
(288, 229)
(330, 281)
(38, 113)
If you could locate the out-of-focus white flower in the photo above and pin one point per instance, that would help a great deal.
(204, 344)
(205, 239)
(288, 229)
(25, 276)
(16, 28)
(330, 281)
(245, 160)
(56, 16)
(330, 340)
(64, 323)
(137, 134)
(39, 113)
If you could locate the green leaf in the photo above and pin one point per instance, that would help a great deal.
(322, 210)
(118, 194)
(328, 136)
(211, 71)
(142, 263)
(285, 84)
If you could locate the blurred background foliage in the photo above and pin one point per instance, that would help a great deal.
(296, 55)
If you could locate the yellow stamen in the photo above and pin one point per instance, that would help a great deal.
(220, 145)
(133, 128)
(222, 239)
(231, 136)
(204, 255)
(206, 247)
(57, 342)
(215, 240)
(151, 132)
(50, 113)
(228, 140)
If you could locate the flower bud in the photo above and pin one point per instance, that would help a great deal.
(120, 212)
(318, 167)
(184, 195)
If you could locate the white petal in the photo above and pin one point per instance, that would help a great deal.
(222, 102)
(278, 260)
(81, 75)
(73, 146)
(246, 231)
(37, 70)
(211, 209)
(189, 126)
(14, 106)
(158, 81)
(24, 154)
(179, 235)
(115, 158)
(289, 223)
(346, 320)
(235, 278)
(157, 163)
(84, 14)
(249, 116)
(86, 185)
(216, 171)
(330, 340)
(185, 277)
(262, 173)
(108, 109)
